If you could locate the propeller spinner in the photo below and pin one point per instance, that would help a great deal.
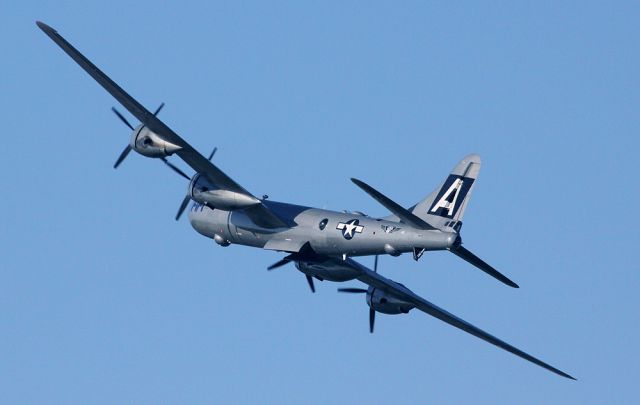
(128, 148)
(185, 201)
(170, 165)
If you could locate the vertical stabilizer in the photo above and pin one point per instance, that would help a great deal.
(444, 208)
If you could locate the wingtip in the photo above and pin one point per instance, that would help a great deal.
(359, 183)
(565, 375)
(508, 281)
(44, 26)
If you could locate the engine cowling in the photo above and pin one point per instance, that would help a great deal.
(329, 269)
(149, 144)
(386, 304)
(204, 192)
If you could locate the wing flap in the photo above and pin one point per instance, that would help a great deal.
(284, 245)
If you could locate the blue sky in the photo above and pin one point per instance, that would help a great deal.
(105, 299)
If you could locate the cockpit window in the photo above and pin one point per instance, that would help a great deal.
(323, 224)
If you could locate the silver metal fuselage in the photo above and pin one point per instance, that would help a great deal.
(349, 234)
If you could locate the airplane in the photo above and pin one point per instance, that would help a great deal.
(320, 243)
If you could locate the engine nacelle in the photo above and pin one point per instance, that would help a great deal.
(387, 304)
(204, 192)
(330, 269)
(149, 144)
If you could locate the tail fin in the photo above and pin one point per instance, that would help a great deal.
(444, 208)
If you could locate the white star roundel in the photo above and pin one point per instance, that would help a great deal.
(350, 228)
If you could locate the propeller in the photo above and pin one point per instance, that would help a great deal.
(285, 261)
(353, 290)
(183, 206)
(170, 165)
(279, 263)
(310, 281)
(127, 149)
(372, 319)
(123, 155)
(185, 201)
(213, 152)
(175, 168)
(157, 111)
(372, 312)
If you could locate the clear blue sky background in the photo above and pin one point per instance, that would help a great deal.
(105, 299)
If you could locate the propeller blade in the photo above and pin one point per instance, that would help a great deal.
(469, 257)
(122, 118)
(182, 207)
(279, 263)
(375, 265)
(175, 169)
(353, 290)
(158, 109)
(372, 319)
(310, 281)
(123, 155)
(213, 152)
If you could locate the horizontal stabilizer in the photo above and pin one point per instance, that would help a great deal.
(469, 257)
(404, 215)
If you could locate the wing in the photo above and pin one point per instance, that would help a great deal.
(260, 214)
(401, 292)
